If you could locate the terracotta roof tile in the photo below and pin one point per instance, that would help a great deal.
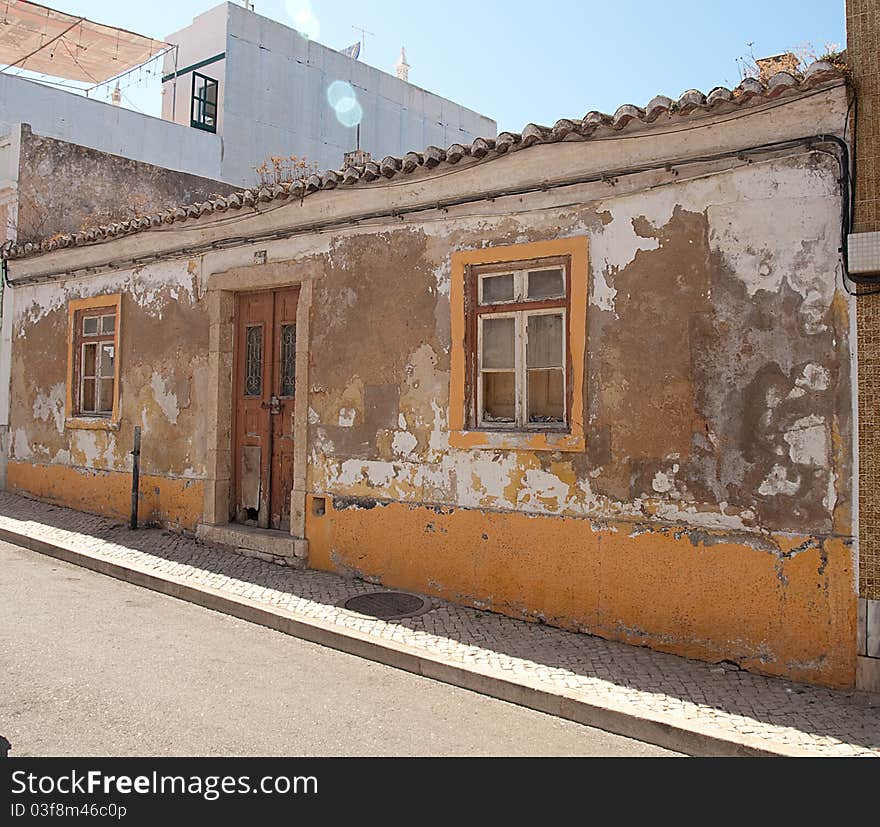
(690, 103)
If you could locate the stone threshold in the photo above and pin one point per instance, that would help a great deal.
(262, 543)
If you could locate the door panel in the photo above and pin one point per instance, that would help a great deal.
(264, 389)
(252, 378)
(283, 386)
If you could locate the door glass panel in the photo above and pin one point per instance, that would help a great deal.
(253, 361)
(90, 325)
(288, 360)
(498, 344)
(108, 324)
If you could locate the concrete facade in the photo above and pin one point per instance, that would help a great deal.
(272, 97)
(65, 116)
(700, 502)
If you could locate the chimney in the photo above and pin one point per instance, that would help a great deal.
(356, 158)
(402, 66)
(785, 62)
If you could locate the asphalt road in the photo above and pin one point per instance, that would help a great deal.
(94, 666)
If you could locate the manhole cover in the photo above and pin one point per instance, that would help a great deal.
(387, 605)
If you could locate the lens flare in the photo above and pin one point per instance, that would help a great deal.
(340, 93)
(350, 117)
(343, 100)
(305, 21)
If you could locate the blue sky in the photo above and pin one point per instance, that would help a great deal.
(519, 61)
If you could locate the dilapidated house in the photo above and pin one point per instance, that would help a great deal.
(598, 374)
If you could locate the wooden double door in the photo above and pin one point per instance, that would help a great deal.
(264, 379)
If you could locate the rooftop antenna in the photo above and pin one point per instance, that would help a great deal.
(364, 33)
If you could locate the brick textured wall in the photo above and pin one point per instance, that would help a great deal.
(863, 53)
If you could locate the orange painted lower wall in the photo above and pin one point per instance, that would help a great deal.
(780, 606)
(170, 502)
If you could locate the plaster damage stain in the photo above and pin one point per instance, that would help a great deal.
(51, 405)
(697, 399)
(165, 398)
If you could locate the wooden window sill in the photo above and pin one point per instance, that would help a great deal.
(517, 441)
(87, 423)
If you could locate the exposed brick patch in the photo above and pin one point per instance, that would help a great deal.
(863, 56)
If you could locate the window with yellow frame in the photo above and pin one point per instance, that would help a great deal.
(93, 362)
(519, 346)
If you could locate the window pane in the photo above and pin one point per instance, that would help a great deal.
(498, 343)
(88, 365)
(108, 324)
(499, 395)
(211, 94)
(253, 361)
(497, 288)
(544, 349)
(108, 353)
(90, 325)
(88, 396)
(106, 396)
(546, 284)
(546, 396)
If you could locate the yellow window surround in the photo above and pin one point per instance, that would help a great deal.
(72, 419)
(461, 436)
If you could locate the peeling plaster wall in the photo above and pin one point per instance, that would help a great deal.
(65, 187)
(718, 389)
(711, 512)
(163, 369)
(718, 432)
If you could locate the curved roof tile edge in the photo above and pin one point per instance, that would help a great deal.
(692, 101)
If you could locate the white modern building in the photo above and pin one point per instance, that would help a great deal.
(263, 88)
(238, 89)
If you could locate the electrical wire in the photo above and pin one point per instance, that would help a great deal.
(850, 211)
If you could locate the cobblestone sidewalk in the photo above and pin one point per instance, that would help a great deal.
(726, 703)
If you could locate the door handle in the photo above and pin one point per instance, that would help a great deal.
(274, 405)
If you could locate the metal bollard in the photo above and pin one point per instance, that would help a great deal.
(135, 476)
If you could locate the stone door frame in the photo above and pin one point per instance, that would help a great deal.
(220, 298)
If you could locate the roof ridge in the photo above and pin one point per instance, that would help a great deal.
(691, 101)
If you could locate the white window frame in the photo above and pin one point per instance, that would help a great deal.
(103, 408)
(521, 284)
(520, 371)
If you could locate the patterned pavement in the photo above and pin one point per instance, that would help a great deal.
(724, 702)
